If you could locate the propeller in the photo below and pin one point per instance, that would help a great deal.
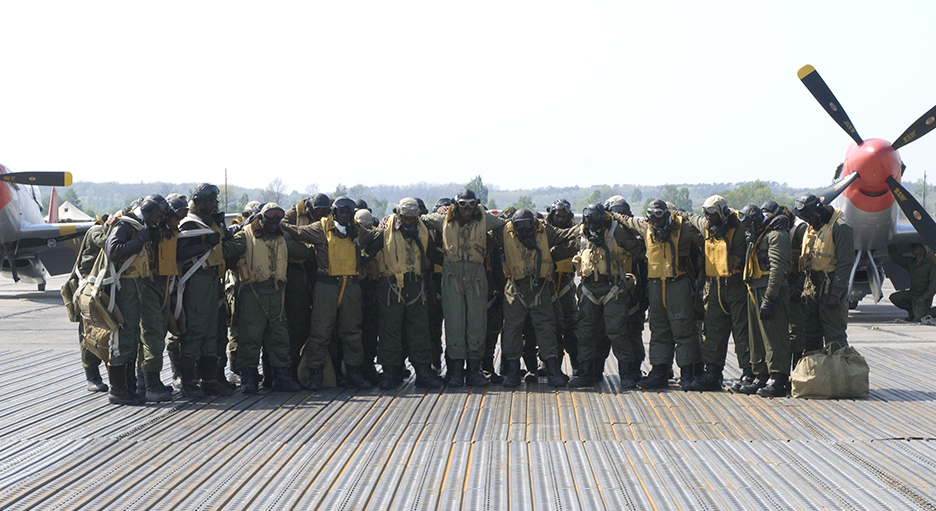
(827, 195)
(811, 79)
(919, 218)
(38, 178)
(920, 127)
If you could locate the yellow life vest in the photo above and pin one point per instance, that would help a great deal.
(140, 266)
(818, 250)
(466, 242)
(264, 258)
(594, 260)
(520, 261)
(663, 258)
(752, 270)
(717, 262)
(342, 252)
(565, 266)
(215, 257)
(166, 264)
(399, 255)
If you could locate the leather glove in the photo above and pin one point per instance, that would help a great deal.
(832, 301)
(796, 295)
(146, 234)
(766, 309)
(213, 239)
(218, 218)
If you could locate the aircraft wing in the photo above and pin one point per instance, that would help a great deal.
(56, 245)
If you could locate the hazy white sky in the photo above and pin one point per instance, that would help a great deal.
(524, 93)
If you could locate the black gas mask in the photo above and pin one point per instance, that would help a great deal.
(594, 220)
(752, 219)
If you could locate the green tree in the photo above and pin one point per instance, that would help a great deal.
(242, 203)
(595, 196)
(491, 204)
(70, 195)
(477, 186)
(379, 206)
(524, 201)
(679, 197)
(755, 193)
(340, 190)
(636, 196)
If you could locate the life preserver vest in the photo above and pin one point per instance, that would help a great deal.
(140, 266)
(342, 252)
(166, 264)
(400, 255)
(663, 258)
(752, 268)
(466, 242)
(215, 256)
(520, 261)
(717, 262)
(818, 250)
(264, 258)
(610, 259)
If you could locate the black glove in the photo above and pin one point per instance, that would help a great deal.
(146, 234)
(796, 295)
(218, 218)
(213, 239)
(832, 302)
(766, 309)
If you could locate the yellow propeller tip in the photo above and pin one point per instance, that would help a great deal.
(68, 179)
(805, 70)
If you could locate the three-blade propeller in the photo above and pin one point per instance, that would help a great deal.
(38, 178)
(918, 217)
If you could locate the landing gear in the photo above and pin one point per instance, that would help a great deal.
(853, 305)
(42, 287)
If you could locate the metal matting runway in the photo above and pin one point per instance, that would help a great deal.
(62, 447)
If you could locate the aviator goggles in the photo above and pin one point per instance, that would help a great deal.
(561, 205)
(656, 213)
(467, 203)
(274, 215)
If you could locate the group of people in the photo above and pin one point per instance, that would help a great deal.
(319, 293)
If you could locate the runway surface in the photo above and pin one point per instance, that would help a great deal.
(533, 447)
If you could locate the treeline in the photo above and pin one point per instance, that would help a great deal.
(97, 198)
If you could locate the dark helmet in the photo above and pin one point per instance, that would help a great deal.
(154, 208)
(343, 202)
(619, 206)
(772, 208)
(422, 206)
(658, 213)
(178, 206)
(560, 204)
(593, 216)
(361, 204)
(807, 206)
(751, 217)
(466, 194)
(524, 222)
(205, 191)
(443, 202)
(320, 200)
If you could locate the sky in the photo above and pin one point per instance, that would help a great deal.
(525, 94)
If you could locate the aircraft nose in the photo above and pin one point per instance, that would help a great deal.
(874, 160)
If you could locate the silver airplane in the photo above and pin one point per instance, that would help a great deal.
(868, 192)
(30, 249)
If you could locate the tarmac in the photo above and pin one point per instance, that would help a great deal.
(533, 447)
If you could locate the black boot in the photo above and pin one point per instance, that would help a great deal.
(283, 380)
(634, 370)
(136, 381)
(313, 382)
(474, 377)
(656, 378)
(188, 379)
(759, 382)
(598, 370)
(95, 382)
(777, 386)
(119, 392)
(554, 375)
(455, 372)
(624, 372)
(208, 372)
(249, 381)
(487, 365)
(155, 391)
(512, 373)
(747, 377)
(267, 382)
(390, 378)
(688, 374)
(426, 377)
(585, 378)
(710, 379)
(354, 378)
(369, 372)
